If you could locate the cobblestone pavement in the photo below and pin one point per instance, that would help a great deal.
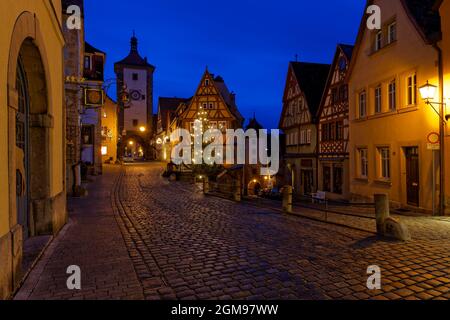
(139, 236)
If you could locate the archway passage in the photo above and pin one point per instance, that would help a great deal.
(254, 188)
(31, 147)
(135, 149)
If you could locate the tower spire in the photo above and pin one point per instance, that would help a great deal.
(134, 43)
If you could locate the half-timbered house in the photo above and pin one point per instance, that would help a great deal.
(333, 135)
(302, 95)
(213, 96)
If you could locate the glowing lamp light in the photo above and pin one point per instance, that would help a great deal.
(130, 143)
(255, 181)
(428, 91)
(142, 129)
(159, 141)
(104, 150)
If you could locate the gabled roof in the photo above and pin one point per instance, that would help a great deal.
(134, 58)
(347, 50)
(311, 78)
(423, 15)
(88, 48)
(254, 124)
(167, 108)
(170, 104)
(228, 97)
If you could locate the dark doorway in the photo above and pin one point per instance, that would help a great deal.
(412, 175)
(308, 181)
(22, 150)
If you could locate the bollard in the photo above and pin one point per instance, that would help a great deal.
(205, 185)
(237, 190)
(287, 199)
(381, 212)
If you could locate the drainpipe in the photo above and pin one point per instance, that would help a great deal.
(441, 132)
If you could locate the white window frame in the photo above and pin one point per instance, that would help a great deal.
(363, 163)
(384, 161)
(392, 32)
(378, 99)
(362, 106)
(411, 90)
(392, 95)
(378, 40)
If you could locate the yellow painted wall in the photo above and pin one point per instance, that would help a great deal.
(408, 126)
(109, 120)
(445, 45)
(51, 51)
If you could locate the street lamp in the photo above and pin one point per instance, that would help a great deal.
(142, 129)
(428, 93)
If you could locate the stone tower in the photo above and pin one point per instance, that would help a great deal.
(135, 77)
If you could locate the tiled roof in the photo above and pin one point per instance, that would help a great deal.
(91, 49)
(312, 79)
(133, 58)
(426, 17)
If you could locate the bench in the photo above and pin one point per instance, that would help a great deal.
(320, 196)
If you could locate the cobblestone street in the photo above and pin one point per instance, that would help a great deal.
(139, 236)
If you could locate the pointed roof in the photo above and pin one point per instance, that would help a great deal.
(134, 58)
(228, 97)
(311, 78)
(88, 48)
(167, 107)
(347, 50)
(254, 124)
(423, 15)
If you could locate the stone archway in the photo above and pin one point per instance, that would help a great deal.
(28, 97)
(36, 149)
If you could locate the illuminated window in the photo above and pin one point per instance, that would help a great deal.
(104, 150)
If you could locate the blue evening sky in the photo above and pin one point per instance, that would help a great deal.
(249, 43)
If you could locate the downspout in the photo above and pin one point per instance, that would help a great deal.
(442, 132)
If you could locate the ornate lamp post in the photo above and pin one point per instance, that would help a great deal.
(428, 93)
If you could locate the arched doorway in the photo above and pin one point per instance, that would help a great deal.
(31, 141)
(254, 187)
(136, 149)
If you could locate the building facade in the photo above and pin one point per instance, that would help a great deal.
(333, 134)
(135, 78)
(167, 108)
(214, 98)
(390, 125)
(93, 100)
(32, 130)
(444, 8)
(110, 132)
(303, 91)
(73, 70)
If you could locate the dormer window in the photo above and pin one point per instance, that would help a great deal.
(392, 32)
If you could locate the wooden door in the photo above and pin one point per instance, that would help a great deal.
(412, 176)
